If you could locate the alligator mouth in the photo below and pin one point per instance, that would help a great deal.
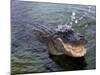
(73, 50)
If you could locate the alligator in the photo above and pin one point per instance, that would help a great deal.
(63, 40)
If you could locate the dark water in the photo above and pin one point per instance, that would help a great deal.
(29, 51)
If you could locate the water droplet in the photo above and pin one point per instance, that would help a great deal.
(73, 13)
(76, 21)
(71, 23)
(73, 16)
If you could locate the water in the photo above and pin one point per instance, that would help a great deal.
(29, 51)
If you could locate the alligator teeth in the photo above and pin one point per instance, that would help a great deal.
(74, 48)
(75, 51)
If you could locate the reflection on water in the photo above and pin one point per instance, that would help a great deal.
(69, 63)
(30, 55)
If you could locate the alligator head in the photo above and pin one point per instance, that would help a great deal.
(64, 41)
(68, 42)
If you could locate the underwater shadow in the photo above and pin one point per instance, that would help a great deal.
(68, 63)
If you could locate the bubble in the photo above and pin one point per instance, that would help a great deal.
(76, 21)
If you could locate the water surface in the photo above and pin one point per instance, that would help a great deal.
(30, 53)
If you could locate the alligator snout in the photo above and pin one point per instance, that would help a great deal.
(72, 37)
(75, 39)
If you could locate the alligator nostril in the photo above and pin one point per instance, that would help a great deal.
(81, 37)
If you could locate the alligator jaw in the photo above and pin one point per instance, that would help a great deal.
(74, 51)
